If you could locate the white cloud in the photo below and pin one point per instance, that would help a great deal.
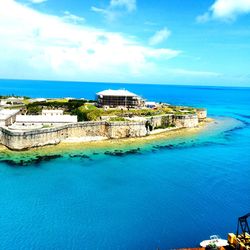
(109, 14)
(203, 18)
(149, 23)
(226, 10)
(116, 8)
(40, 46)
(130, 5)
(95, 9)
(72, 18)
(38, 1)
(159, 37)
(195, 73)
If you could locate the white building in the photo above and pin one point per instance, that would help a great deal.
(8, 116)
(3, 102)
(119, 98)
(15, 100)
(52, 112)
(151, 105)
(11, 101)
(30, 120)
(38, 100)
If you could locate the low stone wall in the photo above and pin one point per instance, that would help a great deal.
(186, 121)
(162, 121)
(21, 140)
(171, 120)
(117, 130)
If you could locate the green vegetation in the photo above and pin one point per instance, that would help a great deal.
(34, 110)
(117, 119)
(180, 110)
(69, 107)
(165, 126)
(87, 111)
(12, 95)
(46, 126)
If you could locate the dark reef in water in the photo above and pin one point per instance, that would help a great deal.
(32, 161)
(228, 133)
(180, 145)
(79, 156)
(121, 153)
(184, 145)
(242, 115)
(82, 156)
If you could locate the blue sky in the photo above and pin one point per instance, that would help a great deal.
(201, 42)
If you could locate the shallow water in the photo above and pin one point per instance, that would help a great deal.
(167, 194)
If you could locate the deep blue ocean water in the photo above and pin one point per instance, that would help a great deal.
(165, 197)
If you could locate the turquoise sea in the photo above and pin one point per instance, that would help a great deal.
(167, 194)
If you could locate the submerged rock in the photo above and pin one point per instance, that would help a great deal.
(83, 156)
(32, 161)
(168, 146)
(114, 153)
(123, 153)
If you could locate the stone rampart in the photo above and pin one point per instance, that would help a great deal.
(186, 121)
(21, 140)
(171, 120)
(162, 121)
(202, 114)
(116, 130)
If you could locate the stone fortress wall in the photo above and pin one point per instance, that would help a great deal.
(178, 121)
(21, 140)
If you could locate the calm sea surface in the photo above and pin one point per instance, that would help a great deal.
(164, 196)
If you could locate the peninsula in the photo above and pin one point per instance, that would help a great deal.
(27, 123)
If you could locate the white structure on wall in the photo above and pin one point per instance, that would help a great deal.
(3, 102)
(52, 112)
(29, 120)
(8, 116)
(151, 105)
(37, 100)
(12, 101)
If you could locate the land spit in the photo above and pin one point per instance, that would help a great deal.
(165, 139)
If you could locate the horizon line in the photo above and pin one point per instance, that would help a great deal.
(128, 83)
